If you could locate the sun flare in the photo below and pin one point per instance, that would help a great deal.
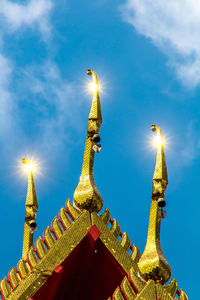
(29, 165)
(92, 87)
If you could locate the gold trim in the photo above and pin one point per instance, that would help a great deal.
(86, 195)
(31, 208)
(153, 264)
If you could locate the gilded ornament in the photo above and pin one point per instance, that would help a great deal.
(86, 195)
(31, 208)
(153, 264)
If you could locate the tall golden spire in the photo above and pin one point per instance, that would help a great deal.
(31, 208)
(86, 195)
(153, 264)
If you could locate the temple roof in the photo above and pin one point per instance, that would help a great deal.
(62, 243)
(83, 255)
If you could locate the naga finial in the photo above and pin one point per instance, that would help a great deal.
(153, 264)
(86, 195)
(31, 208)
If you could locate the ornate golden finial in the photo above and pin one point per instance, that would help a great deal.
(153, 264)
(86, 195)
(31, 208)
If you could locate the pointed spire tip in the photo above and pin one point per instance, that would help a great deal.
(89, 71)
(153, 127)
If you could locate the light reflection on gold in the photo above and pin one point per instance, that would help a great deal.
(92, 86)
(157, 141)
(28, 165)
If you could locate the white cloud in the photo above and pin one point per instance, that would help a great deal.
(33, 12)
(52, 98)
(174, 27)
(191, 145)
(6, 105)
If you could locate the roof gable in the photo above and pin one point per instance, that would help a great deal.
(74, 235)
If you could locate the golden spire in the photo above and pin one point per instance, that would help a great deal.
(86, 195)
(31, 208)
(153, 264)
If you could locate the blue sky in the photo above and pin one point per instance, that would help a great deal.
(146, 54)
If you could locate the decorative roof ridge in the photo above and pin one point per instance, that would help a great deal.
(122, 238)
(51, 234)
(135, 280)
(134, 287)
(59, 225)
